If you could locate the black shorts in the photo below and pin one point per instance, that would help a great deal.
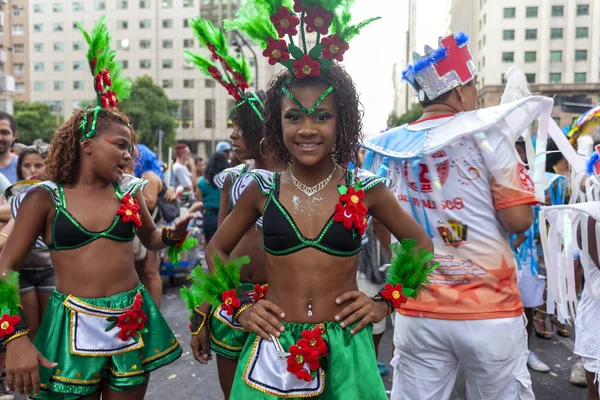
(40, 279)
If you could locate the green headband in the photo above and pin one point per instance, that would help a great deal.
(289, 94)
(83, 124)
(252, 99)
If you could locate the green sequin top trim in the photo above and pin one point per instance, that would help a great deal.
(300, 106)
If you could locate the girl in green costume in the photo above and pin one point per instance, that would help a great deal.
(102, 333)
(311, 336)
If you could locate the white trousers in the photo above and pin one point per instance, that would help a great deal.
(492, 352)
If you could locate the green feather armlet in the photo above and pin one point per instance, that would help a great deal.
(12, 323)
(409, 272)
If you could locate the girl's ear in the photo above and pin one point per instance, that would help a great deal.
(87, 146)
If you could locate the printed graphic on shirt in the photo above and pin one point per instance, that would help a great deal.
(425, 184)
(453, 233)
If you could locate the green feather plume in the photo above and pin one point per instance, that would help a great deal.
(174, 252)
(200, 61)
(209, 286)
(342, 25)
(410, 267)
(9, 294)
(253, 20)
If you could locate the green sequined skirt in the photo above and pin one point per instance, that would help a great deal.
(73, 334)
(348, 372)
(227, 337)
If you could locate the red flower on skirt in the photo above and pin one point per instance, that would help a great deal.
(260, 292)
(230, 301)
(306, 66)
(318, 19)
(312, 339)
(132, 321)
(334, 47)
(130, 211)
(276, 51)
(285, 22)
(394, 294)
(7, 324)
(300, 356)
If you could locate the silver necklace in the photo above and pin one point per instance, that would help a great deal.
(311, 191)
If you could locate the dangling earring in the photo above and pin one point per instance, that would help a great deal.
(260, 148)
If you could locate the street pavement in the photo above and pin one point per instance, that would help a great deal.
(186, 379)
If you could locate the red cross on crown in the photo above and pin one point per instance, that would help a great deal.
(456, 60)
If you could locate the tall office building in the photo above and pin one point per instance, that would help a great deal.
(13, 58)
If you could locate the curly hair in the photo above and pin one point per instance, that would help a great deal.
(349, 112)
(251, 125)
(62, 163)
(215, 165)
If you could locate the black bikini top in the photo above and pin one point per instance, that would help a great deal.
(68, 233)
(281, 235)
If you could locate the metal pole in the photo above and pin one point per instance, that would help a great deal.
(244, 42)
(160, 141)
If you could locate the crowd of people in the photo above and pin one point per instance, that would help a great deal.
(300, 217)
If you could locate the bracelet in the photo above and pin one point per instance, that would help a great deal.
(168, 239)
(243, 307)
(379, 299)
(198, 321)
(16, 336)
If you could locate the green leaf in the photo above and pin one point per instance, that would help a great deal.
(295, 51)
(315, 52)
(325, 64)
(289, 64)
(112, 319)
(342, 189)
(136, 338)
(110, 327)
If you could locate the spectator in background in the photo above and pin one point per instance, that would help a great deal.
(182, 175)
(225, 148)
(8, 135)
(199, 167)
(210, 194)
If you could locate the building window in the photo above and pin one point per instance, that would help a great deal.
(188, 65)
(59, 85)
(122, 25)
(558, 11)
(122, 5)
(38, 67)
(556, 56)
(38, 8)
(530, 78)
(580, 77)
(37, 47)
(18, 69)
(167, 23)
(20, 87)
(18, 30)
(509, 12)
(144, 3)
(77, 65)
(167, 83)
(167, 64)
(20, 48)
(209, 83)
(77, 46)
(583, 9)
(125, 64)
(530, 34)
(188, 83)
(187, 43)
(75, 27)
(17, 11)
(209, 113)
(167, 44)
(580, 55)
(123, 44)
(556, 33)
(186, 23)
(188, 3)
(145, 23)
(58, 46)
(38, 28)
(77, 85)
(58, 27)
(78, 6)
(555, 77)
(530, 56)
(582, 32)
(59, 66)
(508, 34)
(508, 56)
(145, 64)
(145, 44)
(531, 12)
(167, 3)
(186, 113)
(483, 61)
(39, 86)
(57, 7)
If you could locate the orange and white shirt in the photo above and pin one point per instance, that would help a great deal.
(477, 277)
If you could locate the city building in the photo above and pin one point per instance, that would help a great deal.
(556, 43)
(403, 93)
(13, 58)
(150, 37)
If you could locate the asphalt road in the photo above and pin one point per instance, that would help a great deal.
(186, 379)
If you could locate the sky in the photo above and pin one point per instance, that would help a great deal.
(372, 53)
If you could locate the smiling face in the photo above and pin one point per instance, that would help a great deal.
(32, 167)
(7, 136)
(309, 138)
(111, 151)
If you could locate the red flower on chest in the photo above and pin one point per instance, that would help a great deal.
(130, 211)
(351, 211)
